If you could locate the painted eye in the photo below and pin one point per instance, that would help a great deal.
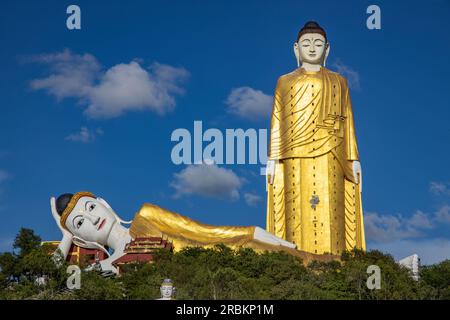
(91, 207)
(80, 223)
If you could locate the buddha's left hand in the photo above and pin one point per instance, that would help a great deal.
(357, 173)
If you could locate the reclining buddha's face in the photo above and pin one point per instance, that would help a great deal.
(91, 220)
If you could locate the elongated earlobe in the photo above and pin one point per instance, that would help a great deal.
(327, 52)
(297, 54)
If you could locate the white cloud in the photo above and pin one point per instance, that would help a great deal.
(420, 220)
(440, 188)
(71, 75)
(429, 250)
(351, 75)
(386, 228)
(129, 87)
(443, 214)
(122, 88)
(84, 135)
(249, 103)
(402, 236)
(252, 199)
(207, 180)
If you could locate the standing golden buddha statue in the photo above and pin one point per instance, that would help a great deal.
(313, 172)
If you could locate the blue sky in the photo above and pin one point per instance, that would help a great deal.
(68, 122)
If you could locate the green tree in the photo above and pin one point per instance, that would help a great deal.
(438, 277)
(26, 241)
(96, 287)
(8, 265)
(219, 273)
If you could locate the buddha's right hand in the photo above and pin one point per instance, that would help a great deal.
(65, 232)
(270, 171)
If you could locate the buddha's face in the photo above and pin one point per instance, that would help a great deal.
(166, 291)
(312, 48)
(91, 220)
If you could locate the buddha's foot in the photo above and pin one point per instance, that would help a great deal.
(266, 237)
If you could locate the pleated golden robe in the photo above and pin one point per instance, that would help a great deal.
(154, 221)
(314, 200)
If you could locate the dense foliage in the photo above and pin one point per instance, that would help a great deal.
(220, 273)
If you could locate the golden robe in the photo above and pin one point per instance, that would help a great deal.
(154, 221)
(314, 200)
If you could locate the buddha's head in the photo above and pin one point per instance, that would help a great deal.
(311, 45)
(88, 218)
(167, 289)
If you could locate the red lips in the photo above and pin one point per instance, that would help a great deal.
(101, 224)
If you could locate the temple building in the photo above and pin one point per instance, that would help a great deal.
(140, 250)
(78, 255)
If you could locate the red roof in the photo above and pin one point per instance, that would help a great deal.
(141, 250)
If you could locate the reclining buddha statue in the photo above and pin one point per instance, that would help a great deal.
(89, 222)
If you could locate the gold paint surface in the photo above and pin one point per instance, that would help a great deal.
(313, 139)
(154, 221)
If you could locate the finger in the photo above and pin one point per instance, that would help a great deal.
(53, 207)
(55, 213)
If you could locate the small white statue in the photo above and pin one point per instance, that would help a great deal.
(167, 290)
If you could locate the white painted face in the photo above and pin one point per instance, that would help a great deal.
(166, 291)
(312, 48)
(91, 220)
